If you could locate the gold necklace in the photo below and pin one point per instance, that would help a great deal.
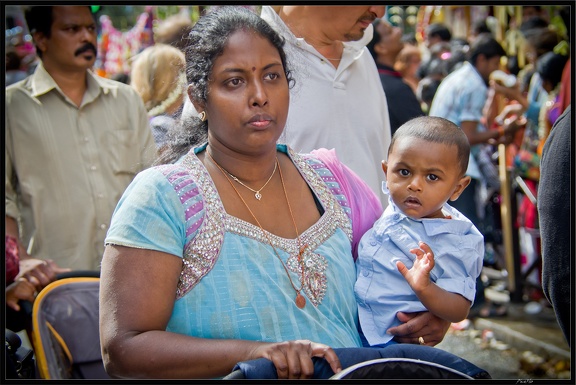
(257, 194)
(300, 300)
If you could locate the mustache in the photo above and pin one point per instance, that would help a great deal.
(86, 47)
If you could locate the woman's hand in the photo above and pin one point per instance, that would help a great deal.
(415, 325)
(293, 359)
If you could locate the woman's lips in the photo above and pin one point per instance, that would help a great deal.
(260, 121)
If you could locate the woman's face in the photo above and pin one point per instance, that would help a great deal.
(248, 95)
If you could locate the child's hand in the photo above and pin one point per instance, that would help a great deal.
(418, 276)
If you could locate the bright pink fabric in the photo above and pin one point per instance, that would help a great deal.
(12, 259)
(364, 203)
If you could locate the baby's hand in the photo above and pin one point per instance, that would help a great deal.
(418, 276)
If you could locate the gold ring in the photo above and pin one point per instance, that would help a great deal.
(421, 341)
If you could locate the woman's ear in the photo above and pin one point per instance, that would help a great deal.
(198, 106)
(462, 184)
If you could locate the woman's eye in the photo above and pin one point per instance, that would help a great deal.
(234, 82)
(272, 76)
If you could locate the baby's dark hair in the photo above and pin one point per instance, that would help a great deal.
(205, 43)
(436, 130)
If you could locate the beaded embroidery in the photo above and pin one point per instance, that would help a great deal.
(202, 252)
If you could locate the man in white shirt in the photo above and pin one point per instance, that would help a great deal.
(337, 101)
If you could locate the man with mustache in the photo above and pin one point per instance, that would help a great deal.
(337, 101)
(74, 141)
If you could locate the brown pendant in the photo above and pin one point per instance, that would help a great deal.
(300, 301)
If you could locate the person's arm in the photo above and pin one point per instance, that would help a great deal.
(18, 290)
(137, 294)
(511, 93)
(421, 324)
(503, 135)
(447, 305)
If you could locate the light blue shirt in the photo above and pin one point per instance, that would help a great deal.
(382, 291)
(461, 97)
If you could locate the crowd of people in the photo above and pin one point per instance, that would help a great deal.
(257, 171)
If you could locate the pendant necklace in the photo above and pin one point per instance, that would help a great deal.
(300, 299)
(257, 193)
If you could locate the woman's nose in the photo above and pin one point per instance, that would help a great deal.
(259, 95)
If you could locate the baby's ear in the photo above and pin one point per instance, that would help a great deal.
(460, 186)
(385, 166)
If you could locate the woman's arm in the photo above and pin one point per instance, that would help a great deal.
(137, 294)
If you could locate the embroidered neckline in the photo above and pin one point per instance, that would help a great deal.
(201, 254)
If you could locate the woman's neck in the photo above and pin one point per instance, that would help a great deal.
(251, 169)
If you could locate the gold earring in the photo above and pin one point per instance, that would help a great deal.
(202, 116)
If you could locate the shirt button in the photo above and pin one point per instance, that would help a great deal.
(396, 217)
(100, 195)
(103, 226)
(93, 168)
(365, 273)
(86, 139)
(373, 243)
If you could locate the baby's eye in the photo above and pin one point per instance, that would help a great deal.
(404, 172)
(433, 177)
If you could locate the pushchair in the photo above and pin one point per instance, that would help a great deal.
(395, 362)
(65, 329)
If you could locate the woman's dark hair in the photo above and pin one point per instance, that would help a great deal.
(550, 66)
(205, 43)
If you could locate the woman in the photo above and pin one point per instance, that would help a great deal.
(158, 75)
(241, 249)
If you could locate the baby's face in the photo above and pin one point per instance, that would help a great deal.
(422, 176)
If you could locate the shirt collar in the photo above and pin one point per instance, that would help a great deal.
(41, 83)
(473, 70)
(387, 70)
(459, 224)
